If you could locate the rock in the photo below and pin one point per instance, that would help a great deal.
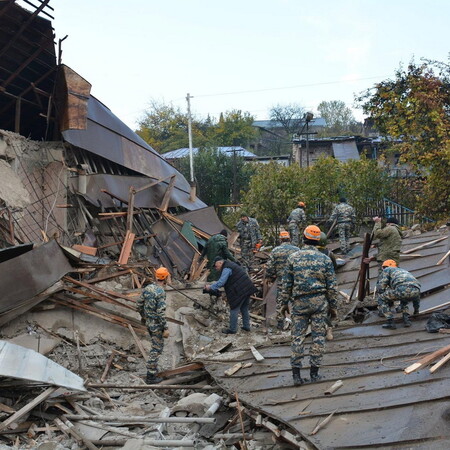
(49, 446)
(193, 404)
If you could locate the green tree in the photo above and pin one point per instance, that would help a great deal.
(215, 173)
(164, 127)
(275, 190)
(412, 112)
(338, 116)
(234, 128)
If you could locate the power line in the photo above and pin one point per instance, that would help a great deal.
(250, 91)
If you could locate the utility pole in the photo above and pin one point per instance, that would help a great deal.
(191, 152)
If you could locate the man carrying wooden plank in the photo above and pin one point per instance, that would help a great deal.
(296, 224)
(345, 217)
(152, 308)
(397, 284)
(309, 284)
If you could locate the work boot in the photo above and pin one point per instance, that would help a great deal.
(406, 320)
(152, 379)
(314, 374)
(390, 325)
(228, 331)
(298, 380)
(247, 329)
(280, 324)
(380, 314)
(416, 311)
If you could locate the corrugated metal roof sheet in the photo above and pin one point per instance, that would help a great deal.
(378, 405)
(182, 152)
(343, 151)
(109, 137)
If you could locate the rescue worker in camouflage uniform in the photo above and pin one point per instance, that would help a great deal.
(344, 214)
(217, 245)
(297, 223)
(309, 284)
(152, 308)
(397, 284)
(390, 240)
(275, 268)
(249, 238)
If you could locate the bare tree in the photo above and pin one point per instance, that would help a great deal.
(289, 117)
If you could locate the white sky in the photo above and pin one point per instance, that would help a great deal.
(132, 51)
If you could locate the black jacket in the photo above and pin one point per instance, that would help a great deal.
(238, 286)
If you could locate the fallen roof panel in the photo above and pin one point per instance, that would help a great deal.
(25, 364)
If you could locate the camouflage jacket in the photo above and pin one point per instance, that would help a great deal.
(343, 213)
(249, 231)
(394, 277)
(152, 306)
(217, 245)
(390, 242)
(277, 259)
(309, 272)
(298, 217)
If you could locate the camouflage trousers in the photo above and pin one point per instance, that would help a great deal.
(296, 234)
(311, 310)
(157, 342)
(247, 254)
(404, 294)
(344, 235)
(280, 317)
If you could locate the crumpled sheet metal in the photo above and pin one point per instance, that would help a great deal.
(205, 219)
(107, 136)
(31, 273)
(25, 364)
(119, 185)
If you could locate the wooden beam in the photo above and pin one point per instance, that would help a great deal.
(165, 201)
(181, 369)
(126, 249)
(27, 408)
(440, 363)
(427, 359)
(419, 247)
(138, 342)
(443, 258)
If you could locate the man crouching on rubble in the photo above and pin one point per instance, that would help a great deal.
(238, 288)
(309, 283)
(152, 308)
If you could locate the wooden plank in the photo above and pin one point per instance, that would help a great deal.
(165, 201)
(256, 354)
(107, 367)
(99, 297)
(138, 342)
(234, 369)
(443, 258)
(181, 369)
(108, 277)
(126, 249)
(85, 249)
(427, 359)
(27, 408)
(440, 363)
(411, 250)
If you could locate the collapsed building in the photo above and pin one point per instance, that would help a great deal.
(88, 210)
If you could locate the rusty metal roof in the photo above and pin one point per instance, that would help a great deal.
(378, 405)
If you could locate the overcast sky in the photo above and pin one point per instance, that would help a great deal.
(243, 54)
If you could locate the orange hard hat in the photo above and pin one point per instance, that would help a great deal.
(301, 204)
(312, 232)
(389, 263)
(284, 234)
(162, 273)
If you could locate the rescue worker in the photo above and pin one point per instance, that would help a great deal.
(249, 238)
(345, 218)
(390, 240)
(309, 284)
(297, 223)
(275, 268)
(152, 308)
(397, 284)
(217, 245)
(238, 288)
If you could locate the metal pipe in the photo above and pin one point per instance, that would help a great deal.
(122, 419)
(149, 442)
